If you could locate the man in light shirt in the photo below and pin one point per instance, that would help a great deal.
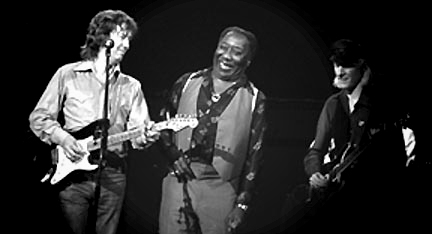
(77, 93)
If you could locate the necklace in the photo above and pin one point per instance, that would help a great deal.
(215, 97)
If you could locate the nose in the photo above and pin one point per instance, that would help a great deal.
(125, 43)
(227, 54)
(339, 71)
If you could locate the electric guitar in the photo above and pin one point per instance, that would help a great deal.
(348, 158)
(64, 166)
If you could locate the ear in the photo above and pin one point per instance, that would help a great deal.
(362, 65)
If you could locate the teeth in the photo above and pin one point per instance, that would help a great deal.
(223, 66)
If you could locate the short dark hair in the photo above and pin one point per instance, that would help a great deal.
(253, 43)
(346, 53)
(101, 25)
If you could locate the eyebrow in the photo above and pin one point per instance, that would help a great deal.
(235, 46)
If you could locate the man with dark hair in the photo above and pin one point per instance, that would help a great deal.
(77, 93)
(211, 182)
(357, 161)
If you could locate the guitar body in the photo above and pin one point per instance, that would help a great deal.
(64, 166)
(321, 195)
(334, 170)
(39, 161)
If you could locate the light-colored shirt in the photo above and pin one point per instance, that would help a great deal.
(75, 90)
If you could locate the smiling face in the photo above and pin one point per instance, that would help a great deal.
(231, 56)
(347, 77)
(121, 38)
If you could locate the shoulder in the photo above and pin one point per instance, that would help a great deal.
(186, 77)
(332, 103)
(70, 67)
(194, 74)
(129, 78)
(256, 91)
(129, 81)
(333, 99)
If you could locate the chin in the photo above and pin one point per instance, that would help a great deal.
(226, 73)
(223, 73)
(341, 84)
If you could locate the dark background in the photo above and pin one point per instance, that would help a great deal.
(175, 37)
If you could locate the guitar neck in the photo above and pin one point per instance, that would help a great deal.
(124, 136)
(339, 168)
(114, 139)
(350, 158)
(174, 124)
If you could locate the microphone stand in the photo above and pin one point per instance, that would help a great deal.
(103, 127)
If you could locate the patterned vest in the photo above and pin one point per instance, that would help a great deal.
(233, 129)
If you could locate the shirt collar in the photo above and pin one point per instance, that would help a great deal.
(242, 82)
(84, 66)
(88, 66)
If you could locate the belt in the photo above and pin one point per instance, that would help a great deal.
(111, 160)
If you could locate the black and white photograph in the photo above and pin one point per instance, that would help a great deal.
(218, 117)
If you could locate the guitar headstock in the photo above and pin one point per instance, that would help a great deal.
(178, 123)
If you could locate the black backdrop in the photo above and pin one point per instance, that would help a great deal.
(175, 37)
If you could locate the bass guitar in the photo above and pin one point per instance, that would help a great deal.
(64, 166)
(348, 158)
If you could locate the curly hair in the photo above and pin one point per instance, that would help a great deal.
(100, 27)
(253, 42)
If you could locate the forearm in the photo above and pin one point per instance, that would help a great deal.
(44, 124)
(139, 118)
(48, 131)
(313, 161)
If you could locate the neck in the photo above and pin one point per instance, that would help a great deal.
(363, 81)
(220, 85)
(99, 66)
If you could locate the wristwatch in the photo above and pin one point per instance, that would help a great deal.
(242, 206)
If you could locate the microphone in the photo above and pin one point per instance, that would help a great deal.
(109, 44)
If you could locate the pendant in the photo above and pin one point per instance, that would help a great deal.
(215, 97)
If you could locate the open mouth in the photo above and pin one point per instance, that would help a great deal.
(225, 66)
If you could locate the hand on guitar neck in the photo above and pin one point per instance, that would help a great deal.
(318, 180)
(149, 135)
(151, 131)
